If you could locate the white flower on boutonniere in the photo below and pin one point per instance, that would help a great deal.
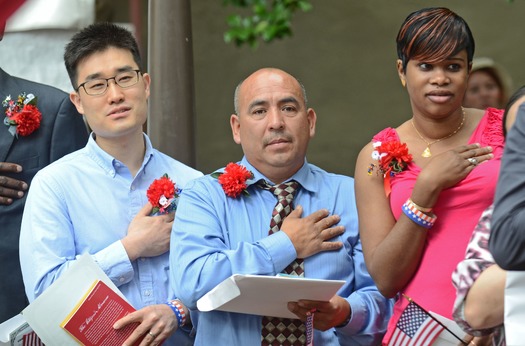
(22, 116)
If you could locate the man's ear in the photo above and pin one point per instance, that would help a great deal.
(312, 119)
(236, 128)
(147, 83)
(75, 99)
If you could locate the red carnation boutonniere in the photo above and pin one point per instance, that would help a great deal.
(163, 194)
(233, 179)
(392, 156)
(22, 116)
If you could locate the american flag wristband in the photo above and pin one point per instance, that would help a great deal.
(416, 215)
(176, 306)
(418, 207)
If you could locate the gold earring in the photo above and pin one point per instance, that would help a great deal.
(403, 83)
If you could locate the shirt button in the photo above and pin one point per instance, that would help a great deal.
(132, 188)
(147, 293)
(121, 279)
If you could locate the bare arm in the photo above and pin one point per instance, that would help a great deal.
(484, 302)
(392, 250)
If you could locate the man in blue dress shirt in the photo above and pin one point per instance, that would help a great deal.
(216, 235)
(94, 201)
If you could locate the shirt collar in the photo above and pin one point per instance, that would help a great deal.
(303, 176)
(107, 162)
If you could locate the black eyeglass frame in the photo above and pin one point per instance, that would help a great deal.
(137, 71)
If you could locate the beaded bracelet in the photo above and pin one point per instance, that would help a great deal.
(176, 306)
(416, 215)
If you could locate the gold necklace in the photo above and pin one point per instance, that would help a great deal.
(426, 152)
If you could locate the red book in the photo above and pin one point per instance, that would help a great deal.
(91, 322)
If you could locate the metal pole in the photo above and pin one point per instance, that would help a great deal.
(170, 63)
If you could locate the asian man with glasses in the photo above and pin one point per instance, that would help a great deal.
(94, 200)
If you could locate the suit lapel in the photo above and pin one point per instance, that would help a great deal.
(6, 139)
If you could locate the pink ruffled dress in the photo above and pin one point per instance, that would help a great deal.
(458, 209)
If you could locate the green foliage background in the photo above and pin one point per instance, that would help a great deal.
(263, 21)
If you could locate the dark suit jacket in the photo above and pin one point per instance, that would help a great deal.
(61, 131)
(507, 237)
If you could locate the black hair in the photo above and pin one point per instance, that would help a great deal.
(97, 38)
(433, 34)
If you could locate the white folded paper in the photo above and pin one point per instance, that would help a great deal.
(266, 295)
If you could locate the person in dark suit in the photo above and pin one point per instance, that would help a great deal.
(507, 241)
(61, 131)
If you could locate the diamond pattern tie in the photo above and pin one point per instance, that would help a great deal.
(283, 331)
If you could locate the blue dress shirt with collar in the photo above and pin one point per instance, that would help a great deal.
(84, 203)
(215, 236)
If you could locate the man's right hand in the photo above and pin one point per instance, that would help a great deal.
(148, 236)
(155, 324)
(312, 233)
(10, 188)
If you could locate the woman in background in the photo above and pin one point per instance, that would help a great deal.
(488, 85)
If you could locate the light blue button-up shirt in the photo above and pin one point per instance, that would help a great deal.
(215, 236)
(84, 203)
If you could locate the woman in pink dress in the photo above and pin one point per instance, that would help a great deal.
(422, 186)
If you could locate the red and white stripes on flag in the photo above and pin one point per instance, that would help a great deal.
(415, 327)
(31, 339)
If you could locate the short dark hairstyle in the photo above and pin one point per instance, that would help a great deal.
(433, 34)
(97, 38)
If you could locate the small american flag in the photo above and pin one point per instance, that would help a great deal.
(310, 328)
(31, 339)
(415, 327)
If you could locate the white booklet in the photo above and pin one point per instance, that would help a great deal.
(266, 295)
(46, 313)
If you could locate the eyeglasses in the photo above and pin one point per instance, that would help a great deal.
(99, 86)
